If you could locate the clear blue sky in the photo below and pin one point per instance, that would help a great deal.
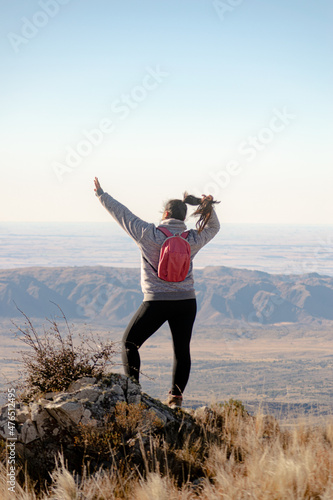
(190, 95)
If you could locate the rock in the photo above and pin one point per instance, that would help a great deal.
(50, 395)
(82, 382)
(22, 414)
(28, 432)
(89, 393)
(66, 413)
(86, 417)
(35, 408)
(52, 423)
(159, 415)
(4, 416)
(133, 392)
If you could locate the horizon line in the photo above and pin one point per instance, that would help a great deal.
(107, 222)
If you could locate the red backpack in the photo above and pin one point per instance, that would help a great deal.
(175, 257)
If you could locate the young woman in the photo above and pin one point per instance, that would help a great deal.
(163, 301)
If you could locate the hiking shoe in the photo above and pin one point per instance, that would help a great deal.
(174, 402)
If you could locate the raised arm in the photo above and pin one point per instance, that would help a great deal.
(212, 227)
(133, 225)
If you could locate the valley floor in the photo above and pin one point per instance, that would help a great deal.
(288, 376)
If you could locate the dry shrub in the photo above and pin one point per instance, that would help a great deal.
(53, 362)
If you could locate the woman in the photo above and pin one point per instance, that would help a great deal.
(163, 301)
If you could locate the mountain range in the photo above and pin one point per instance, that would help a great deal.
(113, 294)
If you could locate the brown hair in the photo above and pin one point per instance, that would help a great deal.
(178, 209)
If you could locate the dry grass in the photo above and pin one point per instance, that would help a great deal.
(238, 457)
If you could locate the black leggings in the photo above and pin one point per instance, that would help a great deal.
(180, 315)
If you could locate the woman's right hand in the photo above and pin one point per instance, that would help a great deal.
(97, 184)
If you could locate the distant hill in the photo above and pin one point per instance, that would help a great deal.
(113, 294)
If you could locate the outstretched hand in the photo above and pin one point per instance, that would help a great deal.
(97, 184)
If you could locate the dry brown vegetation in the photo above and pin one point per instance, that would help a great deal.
(53, 362)
(237, 457)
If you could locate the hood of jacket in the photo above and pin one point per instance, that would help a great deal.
(174, 224)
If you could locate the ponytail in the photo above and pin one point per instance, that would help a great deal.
(204, 209)
(178, 209)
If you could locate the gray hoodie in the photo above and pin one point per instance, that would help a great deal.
(149, 239)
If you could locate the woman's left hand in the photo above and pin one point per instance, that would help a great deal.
(204, 197)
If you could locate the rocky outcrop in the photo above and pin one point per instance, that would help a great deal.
(72, 422)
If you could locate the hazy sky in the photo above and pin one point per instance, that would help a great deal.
(156, 97)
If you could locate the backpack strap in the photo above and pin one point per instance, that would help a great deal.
(165, 231)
